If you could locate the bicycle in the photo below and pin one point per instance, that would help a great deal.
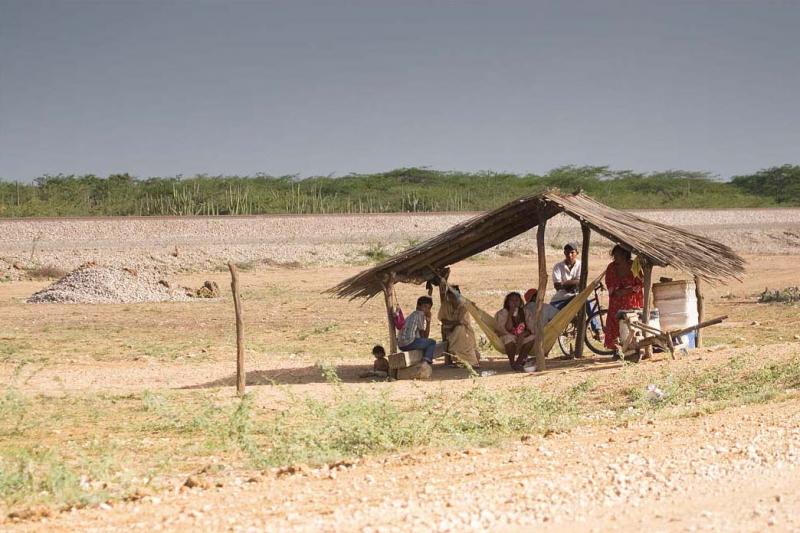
(592, 339)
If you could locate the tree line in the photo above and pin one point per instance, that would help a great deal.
(399, 190)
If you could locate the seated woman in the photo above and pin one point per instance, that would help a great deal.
(549, 311)
(457, 326)
(625, 291)
(512, 324)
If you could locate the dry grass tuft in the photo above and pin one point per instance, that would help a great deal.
(46, 272)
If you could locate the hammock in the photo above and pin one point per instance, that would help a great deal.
(552, 329)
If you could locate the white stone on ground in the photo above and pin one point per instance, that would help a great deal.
(108, 285)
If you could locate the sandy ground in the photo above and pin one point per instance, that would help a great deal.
(734, 470)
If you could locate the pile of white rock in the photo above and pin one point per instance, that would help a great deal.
(91, 283)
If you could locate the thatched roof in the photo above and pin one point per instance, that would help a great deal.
(660, 244)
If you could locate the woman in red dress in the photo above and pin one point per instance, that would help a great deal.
(624, 291)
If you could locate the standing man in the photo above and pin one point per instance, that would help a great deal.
(566, 276)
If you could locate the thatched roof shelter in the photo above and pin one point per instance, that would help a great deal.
(657, 244)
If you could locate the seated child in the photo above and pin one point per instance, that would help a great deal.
(380, 368)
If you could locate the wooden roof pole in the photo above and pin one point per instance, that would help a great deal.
(538, 345)
(580, 324)
(648, 300)
(388, 296)
(698, 342)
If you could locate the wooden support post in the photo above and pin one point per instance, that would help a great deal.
(648, 299)
(388, 295)
(448, 359)
(538, 346)
(699, 294)
(580, 323)
(237, 306)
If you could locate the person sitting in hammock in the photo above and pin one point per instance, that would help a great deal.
(549, 311)
(512, 323)
(457, 328)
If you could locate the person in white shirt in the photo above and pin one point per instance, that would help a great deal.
(566, 276)
(567, 279)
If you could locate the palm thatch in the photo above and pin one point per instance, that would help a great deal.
(659, 244)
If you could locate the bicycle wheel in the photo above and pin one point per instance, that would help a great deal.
(566, 341)
(593, 341)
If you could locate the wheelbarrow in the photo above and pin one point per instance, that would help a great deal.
(640, 335)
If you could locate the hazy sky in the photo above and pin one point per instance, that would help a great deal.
(165, 88)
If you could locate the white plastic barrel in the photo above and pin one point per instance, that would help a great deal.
(676, 302)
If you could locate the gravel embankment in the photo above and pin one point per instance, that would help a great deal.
(190, 244)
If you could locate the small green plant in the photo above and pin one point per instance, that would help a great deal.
(36, 474)
(325, 329)
(13, 411)
(376, 253)
(787, 295)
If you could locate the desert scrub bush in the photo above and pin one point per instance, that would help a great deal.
(376, 252)
(46, 272)
(787, 295)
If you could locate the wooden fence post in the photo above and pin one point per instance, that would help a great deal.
(538, 345)
(388, 296)
(237, 306)
(580, 324)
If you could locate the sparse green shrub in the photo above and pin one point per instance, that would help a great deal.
(37, 474)
(356, 424)
(787, 295)
(13, 410)
(46, 272)
(721, 385)
(376, 253)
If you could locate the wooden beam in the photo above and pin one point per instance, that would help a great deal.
(538, 346)
(580, 323)
(699, 294)
(448, 359)
(237, 307)
(388, 296)
(648, 290)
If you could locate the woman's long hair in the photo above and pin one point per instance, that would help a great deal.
(617, 249)
(520, 316)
